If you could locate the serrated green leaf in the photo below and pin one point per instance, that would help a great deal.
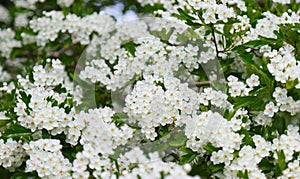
(187, 158)
(130, 47)
(186, 150)
(266, 165)
(209, 148)
(3, 122)
(179, 140)
(24, 175)
(216, 168)
(279, 124)
(281, 160)
(244, 101)
(184, 15)
(25, 98)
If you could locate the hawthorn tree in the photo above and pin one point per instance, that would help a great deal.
(150, 89)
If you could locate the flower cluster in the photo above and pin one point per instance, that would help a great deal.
(32, 3)
(286, 103)
(4, 76)
(27, 4)
(249, 158)
(22, 19)
(288, 142)
(237, 88)
(151, 105)
(36, 106)
(184, 88)
(150, 56)
(99, 138)
(47, 159)
(283, 65)
(54, 22)
(216, 98)
(211, 127)
(151, 167)
(8, 42)
(11, 154)
(95, 126)
(4, 14)
(266, 26)
(212, 11)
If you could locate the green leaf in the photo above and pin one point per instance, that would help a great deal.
(243, 175)
(117, 153)
(255, 44)
(281, 160)
(159, 147)
(247, 58)
(186, 150)
(130, 47)
(216, 168)
(265, 77)
(17, 131)
(274, 43)
(183, 15)
(25, 98)
(164, 35)
(3, 122)
(187, 158)
(266, 165)
(244, 101)
(279, 124)
(18, 135)
(179, 140)
(24, 175)
(226, 29)
(228, 114)
(210, 148)
(291, 84)
(81, 83)
(60, 89)
(247, 140)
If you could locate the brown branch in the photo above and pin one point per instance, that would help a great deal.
(28, 53)
(255, 53)
(169, 43)
(217, 50)
(215, 40)
(55, 54)
(63, 50)
(204, 83)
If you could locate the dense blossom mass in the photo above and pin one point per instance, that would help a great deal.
(156, 89)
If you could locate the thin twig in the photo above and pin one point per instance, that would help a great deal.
(169, 43)
(28, 53)
(56, 54)
(63, 50)
(256, 54)
(204, 83)
(217, 51)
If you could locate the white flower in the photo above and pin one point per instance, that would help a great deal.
(253, 81)
(65, 3)
(263, 119)
(235, 124)
(270, 109)
(280, 95)
(209, 16)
